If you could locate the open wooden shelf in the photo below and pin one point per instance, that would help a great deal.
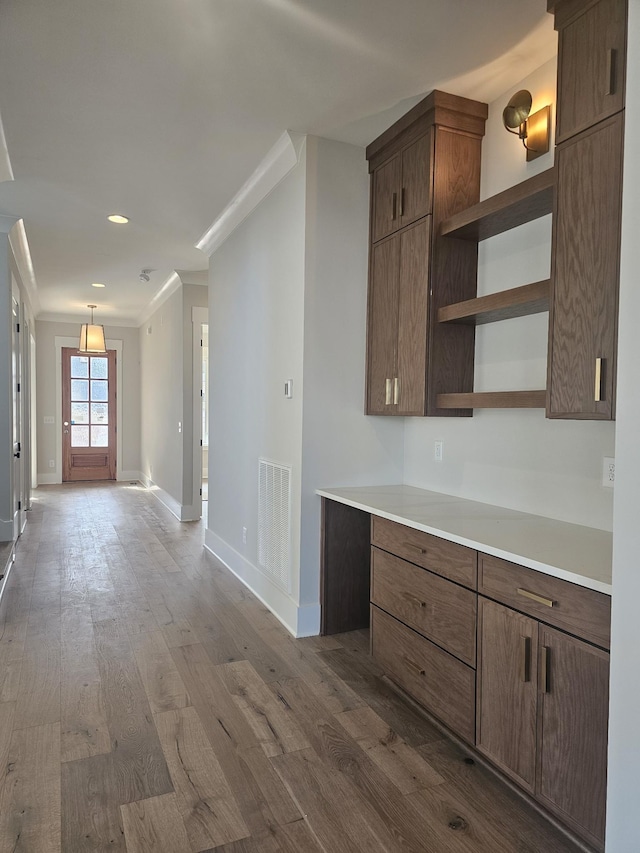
(494, 400)
(517, 302)
(522, 203)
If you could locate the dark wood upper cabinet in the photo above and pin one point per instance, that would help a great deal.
(585, 274)
(572, 732)
(591, 62)
(424, 168)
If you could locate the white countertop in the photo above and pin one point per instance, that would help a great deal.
(581, 555)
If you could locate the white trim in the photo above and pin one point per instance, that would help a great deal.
(49, 479)
(277, 164)
(299, 620)
(165, 498)
(124, 476)
(6, 530)
(172, 283)
(60, 342)
(6, 569)
(22, 256)
(7, 222)
(6, 170)
(81, 317)
(199, 317)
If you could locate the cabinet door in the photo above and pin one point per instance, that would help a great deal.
(585, 275)
(385, 210)
(591, 66)
(415, 192)
(507, 691)
(412, 319)
(383, 326)
(572, 773)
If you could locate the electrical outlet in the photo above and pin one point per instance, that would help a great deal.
(608, 472)
(244, 535)
(52, 463)
(438, 451)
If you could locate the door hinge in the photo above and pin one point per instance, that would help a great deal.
(200, 442)
(18, 327)
(19, 504)
(19, 447)
(201, 393)
(200, 492)
(18, 387)
(200, 341)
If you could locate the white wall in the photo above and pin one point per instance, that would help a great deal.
(47, 368)
(256, 320)
(166, 375)
(623, 829)
(515, 458)
(341, 446)
(288, 301)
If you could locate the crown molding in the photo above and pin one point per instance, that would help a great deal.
(22, 254)
(6, 171)
(170, 286)
(277, 164)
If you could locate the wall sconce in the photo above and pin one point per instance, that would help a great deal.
(91, 336)
(534, 130)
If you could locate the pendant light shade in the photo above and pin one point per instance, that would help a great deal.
(91, 336)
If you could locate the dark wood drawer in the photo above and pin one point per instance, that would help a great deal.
(440, 610)
(435, 679)
(580, 611)
(445, 558)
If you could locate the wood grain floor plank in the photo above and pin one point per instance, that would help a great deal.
(164, 688)
(140, 765)
(271, 720)
(30, 798)
(402, 765)
(91, 819)
(154, 825)
(38, 700)
(210, 813)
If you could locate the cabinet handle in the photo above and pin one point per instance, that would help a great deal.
(415, 547)
(525, 659)
(597, 396)
(387, 392)
(610, 88)
(545, 670)
(402, 202)
(548, 602)
(396, 391)
(414, 665)
(394, 206)
(415, 598)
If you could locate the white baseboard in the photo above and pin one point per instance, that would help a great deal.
(189, 513)
(131, 476)
(182, 513)
(49, 479)
(299, 620)
(6, 570)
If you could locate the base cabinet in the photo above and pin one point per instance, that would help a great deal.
(542, 708)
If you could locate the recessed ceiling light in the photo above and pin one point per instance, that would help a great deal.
(97, 284)
(118, 218)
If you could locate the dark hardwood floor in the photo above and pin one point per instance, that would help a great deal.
(149, 702)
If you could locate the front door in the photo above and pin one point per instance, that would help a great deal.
(88, 415)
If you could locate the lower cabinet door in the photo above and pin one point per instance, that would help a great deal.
(572, 773)
(507, 690)
(442, 684)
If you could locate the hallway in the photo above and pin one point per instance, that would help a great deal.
(149, 702)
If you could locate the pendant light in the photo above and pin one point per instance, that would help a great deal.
(91, 336)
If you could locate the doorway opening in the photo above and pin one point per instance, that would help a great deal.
(204, 415)
(88, 415)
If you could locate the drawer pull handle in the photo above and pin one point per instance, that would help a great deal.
(387, 392)
(525, 659)
(414, 665)
(599, 371)
(545, 670)
(402, 202)
(415, 598)
(540, 599)
(415, 547)
(396, 391)
(610, 87)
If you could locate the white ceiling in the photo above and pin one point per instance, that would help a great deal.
(161, 109)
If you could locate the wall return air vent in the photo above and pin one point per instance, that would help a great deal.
(274, 522)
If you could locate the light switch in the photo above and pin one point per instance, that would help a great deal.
(49, 419)
(288, 389)
(179, 426)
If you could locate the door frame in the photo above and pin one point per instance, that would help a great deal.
(61, 342)
(199, 316)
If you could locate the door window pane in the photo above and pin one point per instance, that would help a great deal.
(80, 389)
(79, 367)
(99, 390)
(99, 413)
(79, 413)
(79, 436)
(99, 368)
(99, 436)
